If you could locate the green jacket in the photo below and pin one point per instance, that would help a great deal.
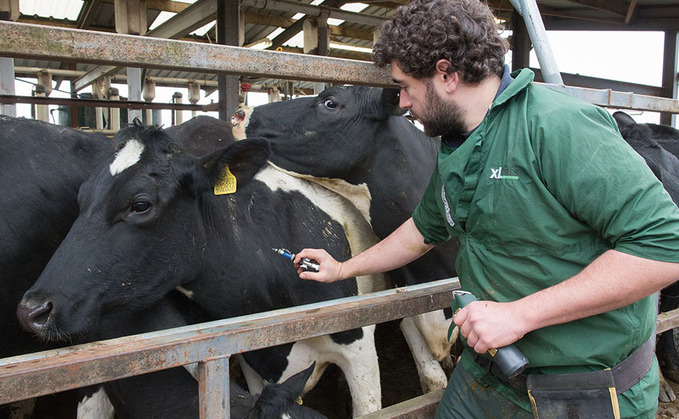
(540, 189)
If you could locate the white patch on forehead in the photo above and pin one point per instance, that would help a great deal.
(127, 156)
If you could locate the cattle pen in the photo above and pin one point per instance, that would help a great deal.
(205, 349)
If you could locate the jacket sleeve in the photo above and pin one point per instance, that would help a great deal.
(428, 218)
(602, 181)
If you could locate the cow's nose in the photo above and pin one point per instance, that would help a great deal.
(34, 317)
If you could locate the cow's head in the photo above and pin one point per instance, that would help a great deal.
(331, 134)
(140, 232)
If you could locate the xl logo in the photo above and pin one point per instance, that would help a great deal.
(510, 173)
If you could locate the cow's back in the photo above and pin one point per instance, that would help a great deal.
(43, 166)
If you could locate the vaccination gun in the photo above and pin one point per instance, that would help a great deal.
(306, 263)
(509, 358)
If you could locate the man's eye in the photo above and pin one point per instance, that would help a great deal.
(140, 207)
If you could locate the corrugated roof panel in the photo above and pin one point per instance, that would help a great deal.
(62, 9)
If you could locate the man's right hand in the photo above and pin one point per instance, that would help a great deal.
(330, 270)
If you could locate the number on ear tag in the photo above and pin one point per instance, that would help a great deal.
(226, 183)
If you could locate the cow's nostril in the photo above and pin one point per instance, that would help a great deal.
(34, 316)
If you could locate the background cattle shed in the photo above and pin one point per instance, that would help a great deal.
(331, 28)
(91, 51)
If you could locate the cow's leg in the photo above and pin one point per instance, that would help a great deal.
(358, 362)
(666, 349)
(254, 381)
(666, 394)
(432, 376)
(96, 406)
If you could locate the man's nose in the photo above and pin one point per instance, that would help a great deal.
(404, 100)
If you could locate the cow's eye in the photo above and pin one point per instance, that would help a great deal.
(330, 104)
(140, 207)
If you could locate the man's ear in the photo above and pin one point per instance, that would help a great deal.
(444, 72)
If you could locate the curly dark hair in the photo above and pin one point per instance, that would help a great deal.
(422, 32)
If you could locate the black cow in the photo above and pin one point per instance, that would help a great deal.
(151, 222)
(356, 141)
(174, 393)
(42, 167)
(658, 145)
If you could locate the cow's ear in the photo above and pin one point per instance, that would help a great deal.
(623, 120)
(389, 100)
(296, 383)
(244, 160)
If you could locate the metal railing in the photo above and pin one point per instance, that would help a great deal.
(209, 345)
(37, 41)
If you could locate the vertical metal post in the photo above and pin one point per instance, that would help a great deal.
(670, 71)
(213, 389)
(134, 92)
(7, 85)
(114, 123)
(228, 33)
(538, 35)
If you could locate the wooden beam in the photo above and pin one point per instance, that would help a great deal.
(616, 7)
(630, 11)
(161, 5)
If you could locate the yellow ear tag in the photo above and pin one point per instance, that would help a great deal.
(226, 183)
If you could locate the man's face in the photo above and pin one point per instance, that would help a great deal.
(436, 115)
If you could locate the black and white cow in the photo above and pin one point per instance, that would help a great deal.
(356, 141)
(151, 222)
(658, 145)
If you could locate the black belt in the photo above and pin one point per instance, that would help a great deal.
(626, 373)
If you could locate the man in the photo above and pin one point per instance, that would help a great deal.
(563, 231)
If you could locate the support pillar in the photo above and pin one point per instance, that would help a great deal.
(229, 32)
(41, 111)
(134, 88)
(194, 96)
(114, 95)
(520, 43)
(9, 10)
(100, 90)
(317, 40)
(670, 73)
(177, 115)
(149, 95)
(130, 18)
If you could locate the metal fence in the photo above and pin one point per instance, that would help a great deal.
(209, 345)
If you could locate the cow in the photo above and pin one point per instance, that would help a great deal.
(357, 141)
(174, 393)
(155, 218)
(42, 168)
(658, 145)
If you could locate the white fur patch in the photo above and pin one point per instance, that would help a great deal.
(337, 202)
(96, 406)
(357, 360)
(187, 293)
(127, 156)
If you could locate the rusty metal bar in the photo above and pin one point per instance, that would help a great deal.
(624, 100)
(36, 41)
(423, 406)
(38, 374)
(213, 389)
(130, 104)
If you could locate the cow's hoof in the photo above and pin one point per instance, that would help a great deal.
(666, 394)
